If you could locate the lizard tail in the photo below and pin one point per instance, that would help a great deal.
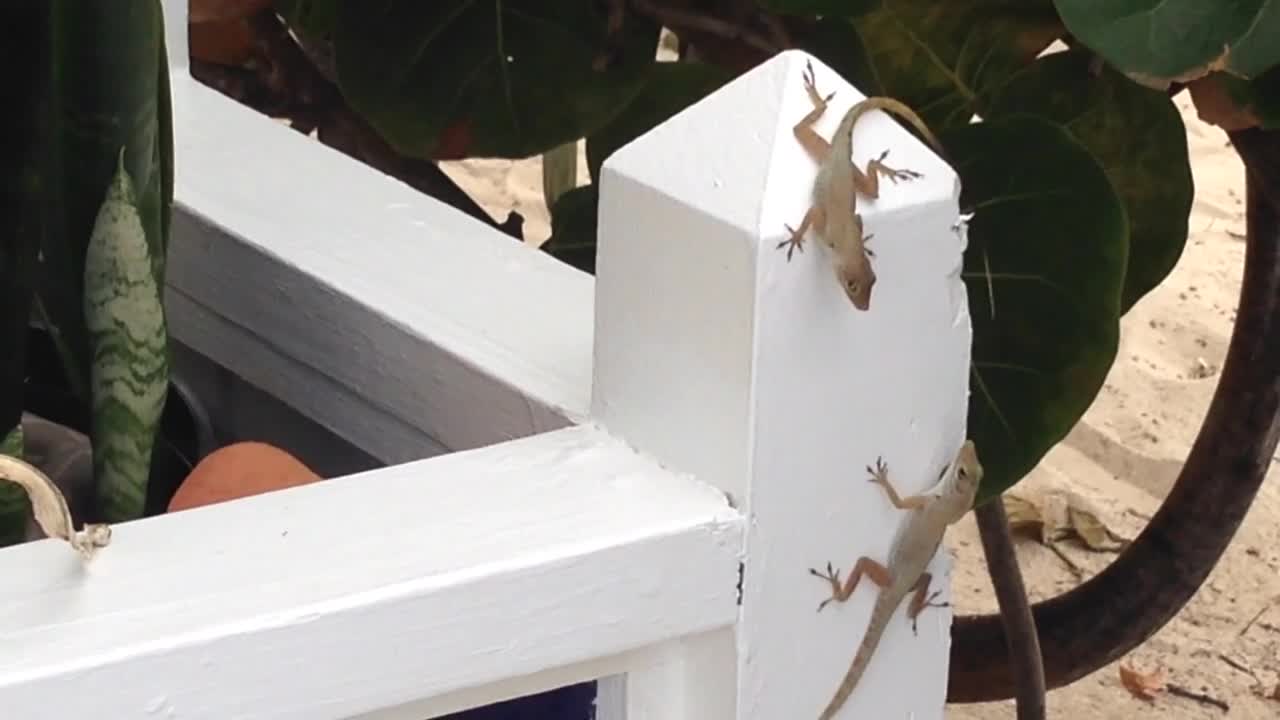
(903, 111)
(880, 616)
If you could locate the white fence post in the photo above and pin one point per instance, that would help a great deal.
(176, 34)
(719, 357)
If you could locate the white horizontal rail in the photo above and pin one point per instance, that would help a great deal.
(439, 577)
(429, 318)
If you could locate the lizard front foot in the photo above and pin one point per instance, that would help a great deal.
(880, 473)
(832, 576)
(811, 87)
(792, 243)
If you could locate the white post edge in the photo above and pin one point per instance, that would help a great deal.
(718, 357)
(176, 37)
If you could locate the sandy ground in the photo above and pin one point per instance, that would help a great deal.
(1123, 457)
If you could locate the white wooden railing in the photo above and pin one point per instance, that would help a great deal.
(609, 454)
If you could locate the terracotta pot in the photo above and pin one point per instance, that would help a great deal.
(240, 470)
(202, 11)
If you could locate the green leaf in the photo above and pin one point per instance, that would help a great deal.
(454, 78)
(943, 58)
(15, 506)
(164, 162)
(1136, 134)
(23, 136)
(107, 94)
(573, 228)
(818, 7)
(1048, 242)
(129, 342)
(1257, 52)
(1155, 43)
(669, 88)
(315, 18)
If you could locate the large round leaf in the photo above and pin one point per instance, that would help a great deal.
(1048, 243)
(1158, 41)
(1138, 136)
(453, 78)
(838, 42)
(942, 58)
(818, 7)
(669, 88)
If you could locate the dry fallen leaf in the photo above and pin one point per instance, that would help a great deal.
(50, 507)
(1086, 523)
(1054, 515)
(1024, 516)
(1144, 686)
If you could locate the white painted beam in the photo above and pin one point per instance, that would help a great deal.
(431, 317)
(493, 569)
(720, 358)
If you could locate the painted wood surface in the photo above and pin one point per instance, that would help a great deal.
(722, 359)
(431, 318)
(431, 579)
(701, 362)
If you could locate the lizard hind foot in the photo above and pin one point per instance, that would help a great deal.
(831, 576)
(927, 604)
(893, 174)
(930, 602)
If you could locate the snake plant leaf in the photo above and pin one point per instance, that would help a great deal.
(14, 504)
(129, 376)
(109, 89)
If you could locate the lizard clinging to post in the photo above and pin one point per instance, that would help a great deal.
(914, 545)
(833, 212)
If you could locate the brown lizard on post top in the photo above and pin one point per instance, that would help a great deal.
(833, 212)
(913, 548)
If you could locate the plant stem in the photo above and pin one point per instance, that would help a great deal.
(1145, 587)
(1023, 643)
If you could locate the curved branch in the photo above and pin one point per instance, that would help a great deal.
(1101, 620)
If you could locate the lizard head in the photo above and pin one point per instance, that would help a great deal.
(853, 264)
(856, 279)
(968, 469)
